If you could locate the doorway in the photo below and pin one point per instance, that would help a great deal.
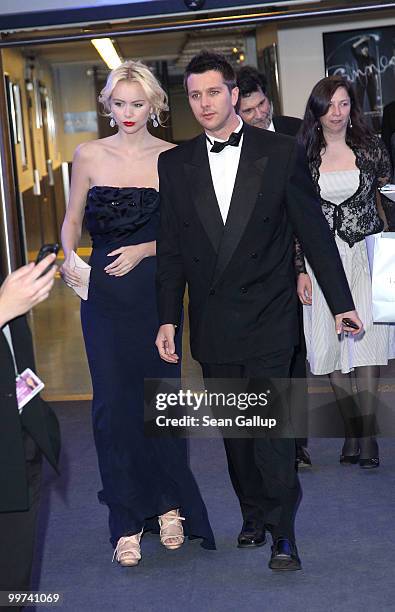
(58, 87)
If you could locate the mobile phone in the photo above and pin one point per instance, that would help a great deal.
(350, 323)
(45, 250)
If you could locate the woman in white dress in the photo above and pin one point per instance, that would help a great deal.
(348, 163)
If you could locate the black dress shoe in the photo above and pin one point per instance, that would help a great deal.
(347, 459)
(251, 535)
(302, 457)
(284, 556)
(369, 463)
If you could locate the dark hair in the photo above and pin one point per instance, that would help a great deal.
(249, 80)
(310, 133)
(207, 60)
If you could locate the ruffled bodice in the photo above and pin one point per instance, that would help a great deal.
(127, 215)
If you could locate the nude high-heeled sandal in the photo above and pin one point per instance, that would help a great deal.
(127, 551)
(171, 530)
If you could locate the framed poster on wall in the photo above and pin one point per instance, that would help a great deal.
(367, 58)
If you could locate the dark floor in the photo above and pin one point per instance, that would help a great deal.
(345, 524)
(345, 530)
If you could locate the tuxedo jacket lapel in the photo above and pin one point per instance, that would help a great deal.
(225, 239)
(202, 189)
(247, 185)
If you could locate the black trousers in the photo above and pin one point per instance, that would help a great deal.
(262, 470)
(298, 389)
(17, 529)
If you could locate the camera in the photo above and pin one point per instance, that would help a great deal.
(194, 5)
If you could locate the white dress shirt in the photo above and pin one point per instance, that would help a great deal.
(271, 127)
(223, 167)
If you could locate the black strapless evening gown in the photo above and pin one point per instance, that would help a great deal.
(142, 477)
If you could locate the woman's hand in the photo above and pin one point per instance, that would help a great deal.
(69, 275)
(24, 288)
(129, 257)
(304, 289)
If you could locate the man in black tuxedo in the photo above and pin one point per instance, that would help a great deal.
(255, 108)
(231, 201)
(24, 437)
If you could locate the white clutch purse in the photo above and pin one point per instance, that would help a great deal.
(83, 270)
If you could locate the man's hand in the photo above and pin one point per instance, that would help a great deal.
(304, 288)
(353, 316)
(165, 343)
(23, 289)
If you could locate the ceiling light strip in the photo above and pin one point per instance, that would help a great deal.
(209, 23)
(107, 51)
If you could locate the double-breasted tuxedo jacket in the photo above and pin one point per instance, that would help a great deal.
(37, 419)
(240, 276)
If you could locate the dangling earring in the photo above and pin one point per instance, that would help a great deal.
(318, 127)
(349, 122)
(112, 122)
(154, 120)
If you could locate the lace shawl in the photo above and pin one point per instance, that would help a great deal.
(357, 216)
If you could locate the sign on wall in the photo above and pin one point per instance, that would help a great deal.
(80, 122)
(367, 58)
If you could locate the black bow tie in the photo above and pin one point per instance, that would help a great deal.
(233, 141)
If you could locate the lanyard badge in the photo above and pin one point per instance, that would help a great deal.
(28, 384)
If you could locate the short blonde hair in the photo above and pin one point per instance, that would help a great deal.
(137, 72)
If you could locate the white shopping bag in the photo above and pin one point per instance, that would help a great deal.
(381, 254)
(389, 191)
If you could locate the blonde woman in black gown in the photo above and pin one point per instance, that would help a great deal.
(115, 185)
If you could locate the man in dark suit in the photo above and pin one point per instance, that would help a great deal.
(255, 108)
(231, 201)
(24, 437)
(388, 127)
(388, 136)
